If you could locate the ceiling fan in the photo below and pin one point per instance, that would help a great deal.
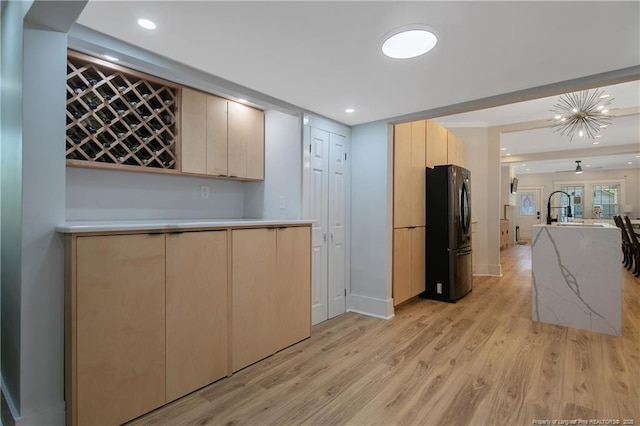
(578, 169)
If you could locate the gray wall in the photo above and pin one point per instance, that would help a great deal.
(94, 194)
(371, 226)
(33, 88)
(283, 171)
(11, 184)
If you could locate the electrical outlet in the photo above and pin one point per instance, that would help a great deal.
(204, 192)
(283, 202)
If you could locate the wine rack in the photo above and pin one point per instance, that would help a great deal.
(120, 118)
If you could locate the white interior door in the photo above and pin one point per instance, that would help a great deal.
(529, 210)
(318, 190)
(327, 206)
(337, 226)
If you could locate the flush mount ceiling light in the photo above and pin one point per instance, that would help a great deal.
(409, 42)
(146, 24)
(578, 167)
(581, 113)
(349, 110)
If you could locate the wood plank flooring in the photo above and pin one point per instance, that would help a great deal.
(481, 361)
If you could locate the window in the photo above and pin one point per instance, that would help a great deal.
(592, 199)
(576, 192)
(605, 201)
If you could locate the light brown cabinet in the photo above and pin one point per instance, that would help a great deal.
(455, 150)
(409, 174)
(116, 369)
(271, 299)
(436, 144)
(220, 137)
(245, 142)
(504, 234)
(253, 298)
(293, 286)
(408, 263)
(147, 315)
(196, 310)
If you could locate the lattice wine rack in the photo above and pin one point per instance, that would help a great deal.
(117, 117)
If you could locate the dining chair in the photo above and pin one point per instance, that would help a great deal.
(635, 246)
(627, 260)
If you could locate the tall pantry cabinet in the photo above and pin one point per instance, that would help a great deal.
(416, 145)
(409, 177)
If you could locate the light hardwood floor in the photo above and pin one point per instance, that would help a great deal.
(481, 361)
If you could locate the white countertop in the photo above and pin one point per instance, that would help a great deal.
(170, 224)
(578, 225)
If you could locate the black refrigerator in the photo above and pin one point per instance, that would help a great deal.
(448, 242)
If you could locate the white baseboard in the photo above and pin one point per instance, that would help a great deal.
(365, 305)
(487, 270)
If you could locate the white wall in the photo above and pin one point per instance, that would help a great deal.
(631, 177)
(482, 159)
(371, 226)
(283, 171)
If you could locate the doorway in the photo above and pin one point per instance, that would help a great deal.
(528, 210)
(325, 190)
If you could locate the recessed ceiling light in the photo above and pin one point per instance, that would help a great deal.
(507, 153)
(528, 169)
(349, 110)
(409, 42)
(503, 149)
(244, 101)
(595, 143)
(630, 162)
(524, 165)
(146, 24)
(587, 165)
(637, 156)
(110, 58)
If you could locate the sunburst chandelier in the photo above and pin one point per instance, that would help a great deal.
(583, 113)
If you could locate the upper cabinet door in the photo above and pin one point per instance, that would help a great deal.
(418, 173)
(194, 131)
(453, 149)
(216, 136)
(245, 142)
(436, 144)
(402, 175)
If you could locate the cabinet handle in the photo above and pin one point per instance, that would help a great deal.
(232, 176)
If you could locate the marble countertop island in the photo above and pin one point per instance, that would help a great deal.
(577, 276)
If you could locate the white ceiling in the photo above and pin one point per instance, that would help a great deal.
(325, 56)
(530, 146)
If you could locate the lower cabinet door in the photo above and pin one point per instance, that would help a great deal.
(417, 260)
(197, 324)
(253, 295)
(408, 263)
(293, 286)
(120, 331)
(401, 265)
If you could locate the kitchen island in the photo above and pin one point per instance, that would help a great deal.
(577, 276)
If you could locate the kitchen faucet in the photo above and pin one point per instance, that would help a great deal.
(549, 206)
